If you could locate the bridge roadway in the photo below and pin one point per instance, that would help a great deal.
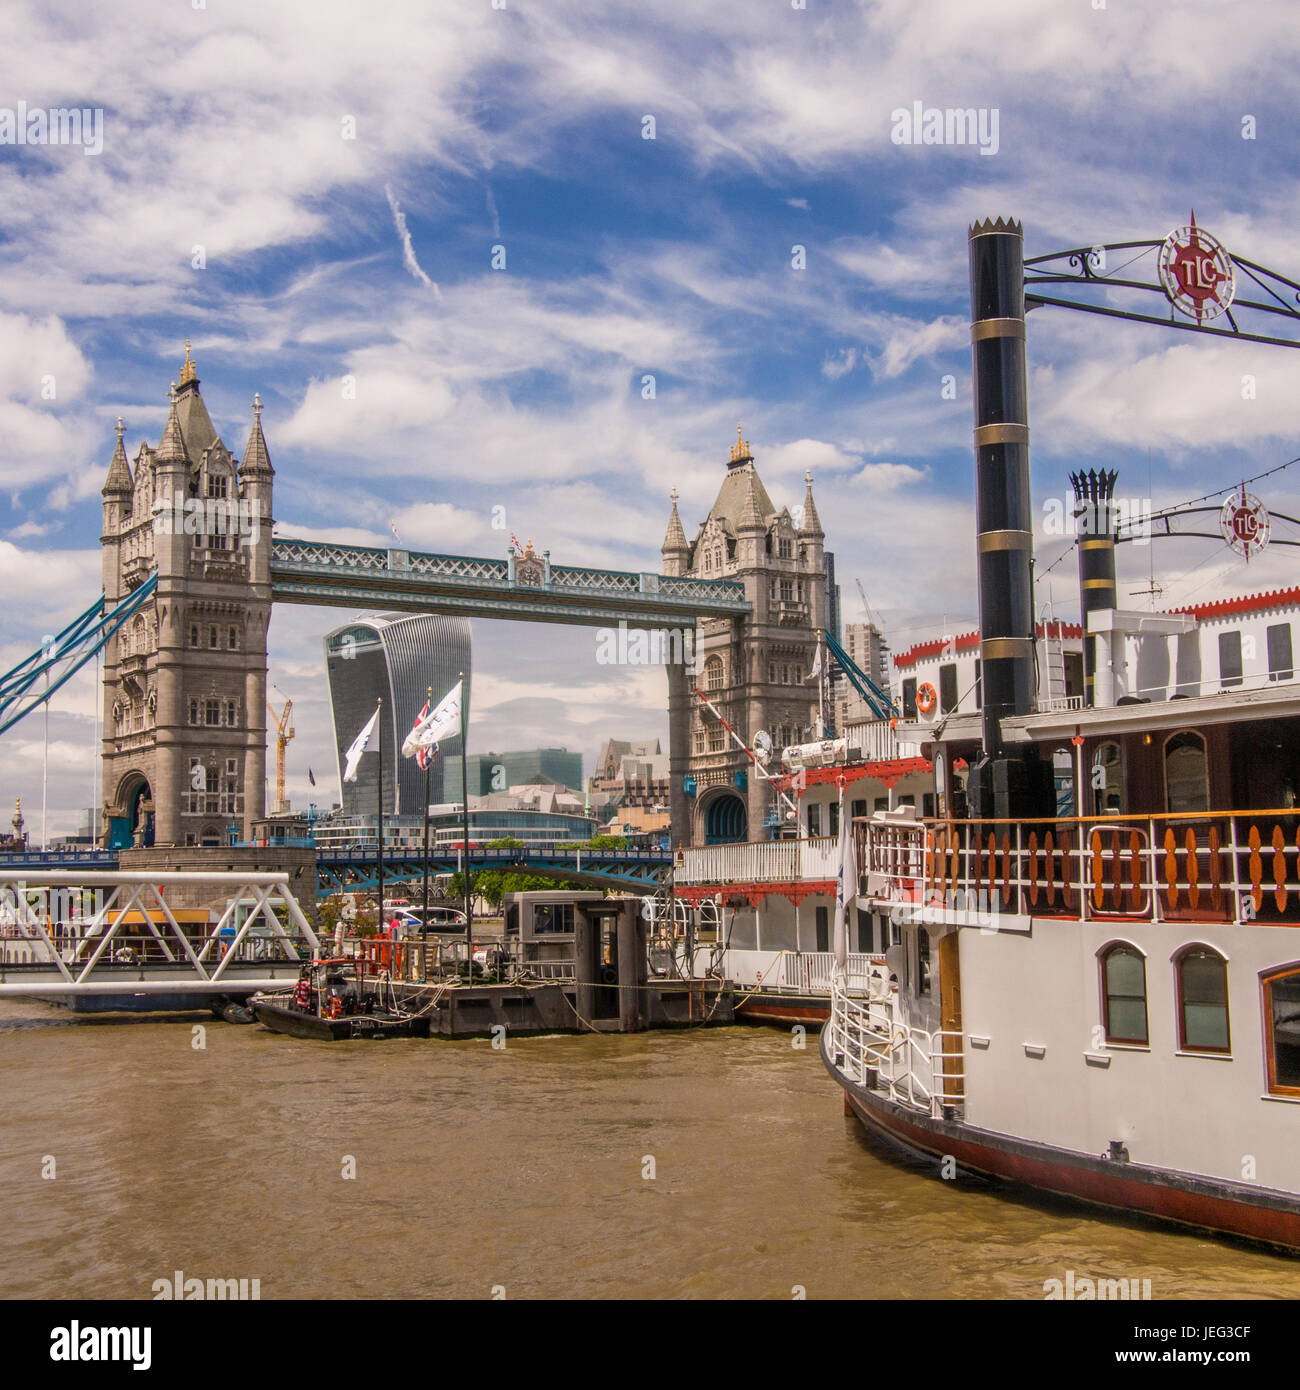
(353, 870)
(520, 587)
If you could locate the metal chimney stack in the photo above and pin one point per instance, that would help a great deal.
(1094, 494)
(1004, 522)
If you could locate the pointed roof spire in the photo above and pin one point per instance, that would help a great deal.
(675, 538)
(257, 458)
(119, 470)
(171, 448)
(751, 511)
(811, 525)
(739, 451)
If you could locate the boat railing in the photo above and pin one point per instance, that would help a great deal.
(923, 1069)
(804, 972)
(763, 861)
(1189, 866)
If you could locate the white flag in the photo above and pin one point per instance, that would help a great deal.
(846, 888)
(353, 755)
(444, 722)
(816, 667)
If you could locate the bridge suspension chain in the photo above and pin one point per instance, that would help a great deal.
(59, 659)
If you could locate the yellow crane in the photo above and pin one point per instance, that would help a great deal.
(283, 733)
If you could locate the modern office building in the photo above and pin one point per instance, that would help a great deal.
(405, 834)
(396, 659)
(497, 772)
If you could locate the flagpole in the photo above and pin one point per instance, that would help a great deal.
(464, 796)
(821, 682)
(379, 862)
(428, 763)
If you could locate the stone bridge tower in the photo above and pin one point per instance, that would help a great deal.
(184, 745)
(754, 669)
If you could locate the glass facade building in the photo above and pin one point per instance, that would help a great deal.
(405, 834)
(395, 659)
(498, 772)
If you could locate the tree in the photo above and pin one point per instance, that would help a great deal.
(493, 884)
(506, 842)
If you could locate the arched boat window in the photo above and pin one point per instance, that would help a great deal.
(1124, 993)
(1107, 780)
(1187, 783)
(1202, 979)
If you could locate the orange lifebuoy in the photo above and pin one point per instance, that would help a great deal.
(927, 698)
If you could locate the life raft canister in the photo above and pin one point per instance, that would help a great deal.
(927, 698)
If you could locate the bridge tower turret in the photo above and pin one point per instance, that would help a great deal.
(184, 747)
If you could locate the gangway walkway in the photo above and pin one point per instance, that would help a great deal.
(132, 941)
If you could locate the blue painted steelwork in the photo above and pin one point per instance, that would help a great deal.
(70, 650)
(354, 576)
(724, 821)
(59, 859)
(878, 701)
(354, 870)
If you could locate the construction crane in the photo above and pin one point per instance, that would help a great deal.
(283, 733)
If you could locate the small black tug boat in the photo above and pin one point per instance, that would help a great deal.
(329, 1003)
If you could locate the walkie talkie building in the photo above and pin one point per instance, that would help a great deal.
(395, 659)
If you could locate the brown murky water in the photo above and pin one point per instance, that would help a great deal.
(520, 1168)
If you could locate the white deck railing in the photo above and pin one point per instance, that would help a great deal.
(807, 972)
(878, 742)
(766, 861)
(869, 1046)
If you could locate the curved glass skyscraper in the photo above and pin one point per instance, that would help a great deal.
(395, 659)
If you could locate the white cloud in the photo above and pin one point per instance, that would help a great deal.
(408, 251)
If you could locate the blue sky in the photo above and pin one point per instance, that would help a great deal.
(521, 388)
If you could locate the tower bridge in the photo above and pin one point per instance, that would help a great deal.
(185, 656)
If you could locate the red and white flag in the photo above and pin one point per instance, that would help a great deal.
(422, 755)
(444, 722)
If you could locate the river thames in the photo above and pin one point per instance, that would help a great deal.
(707, 1164)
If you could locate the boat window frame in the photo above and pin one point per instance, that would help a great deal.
(1096, 750)
(1205, 766)
(1266, 981)
(1103, 955)
(1177, 959)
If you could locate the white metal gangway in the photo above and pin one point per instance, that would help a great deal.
(132, 942)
